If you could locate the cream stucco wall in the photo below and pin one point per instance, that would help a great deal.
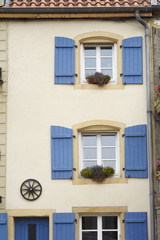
(35, 103)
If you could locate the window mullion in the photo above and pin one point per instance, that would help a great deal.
(98, 149)
(99, 228)
(98, 67)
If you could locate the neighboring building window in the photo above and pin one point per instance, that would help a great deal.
(99, 149)
(99, 228)
(98, 58)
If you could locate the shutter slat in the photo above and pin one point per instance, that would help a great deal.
(63, 226)
(136, 151)
(64, 60)
(136, 226)
(3, 226)
(132, 60)
(61, 152)
(61, 169)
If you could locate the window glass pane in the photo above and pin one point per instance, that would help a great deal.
(89, 223)
(109, 222)
(108, 153)
(107, 72)
(89, 235)
(106, 51)
(90, 51)
(31, 231)
(89, 72)
(90, 62)
(108, 140)
(90, 153)
(89, 163)
(106, 62)
(89, 140)
(108, 163)
(109, 235)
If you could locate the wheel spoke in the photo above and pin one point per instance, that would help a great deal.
(29, 183)
(26, 193)
(33, 184)
(36, 194)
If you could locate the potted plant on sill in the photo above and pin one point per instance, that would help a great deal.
(98, 78)
(97, 173)
(157, 162)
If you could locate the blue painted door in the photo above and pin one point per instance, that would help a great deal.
(33, 228)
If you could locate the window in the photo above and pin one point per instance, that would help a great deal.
(99, 149)
(98, 58)
(99, 228)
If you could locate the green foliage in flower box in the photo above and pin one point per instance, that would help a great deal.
(97, 173)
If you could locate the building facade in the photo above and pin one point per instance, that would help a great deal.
(59, 124)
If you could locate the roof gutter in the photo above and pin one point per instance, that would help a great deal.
(149, 123)
(73, 9)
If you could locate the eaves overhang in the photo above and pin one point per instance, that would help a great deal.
(74, 12)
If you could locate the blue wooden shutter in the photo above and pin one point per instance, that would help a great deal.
(136, 151)
(132, 60)
(63, 226)
(136, 226)
(64, 60)
(3, 226)
(62, 152)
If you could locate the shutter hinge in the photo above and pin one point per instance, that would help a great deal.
(123, 169)
(74, 136)
(121, 46)
(76, 46)
(123, 221)
(76, 75)
(123, 135)
(75, 220)
(0, 199)
(121, 74)
(74, 169)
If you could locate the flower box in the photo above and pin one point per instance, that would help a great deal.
(97, 173)
(98, 78)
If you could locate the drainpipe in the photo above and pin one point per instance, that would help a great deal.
(149, 123)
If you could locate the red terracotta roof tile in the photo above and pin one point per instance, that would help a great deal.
(80, 3)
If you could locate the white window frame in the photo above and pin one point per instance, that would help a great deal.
(99, 225)
(98, 67)
(99, 159)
